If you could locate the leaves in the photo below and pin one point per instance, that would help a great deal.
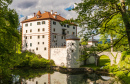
(103, 17)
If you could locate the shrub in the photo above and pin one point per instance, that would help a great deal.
(113, 68)
(120, 74)
(32, 60)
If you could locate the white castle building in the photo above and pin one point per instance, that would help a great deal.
(44, 35)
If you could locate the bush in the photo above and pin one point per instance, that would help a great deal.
(113, 68)
(120, 74)
(32, 60)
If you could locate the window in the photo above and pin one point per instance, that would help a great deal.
(30, 24)
(45, 48)
(43, 22)
(38, 37)
(38, 43)
(36, 48)
(26, 25)
(42, 42)
(43, 36)
(30, 44)
(26, 31)
(64, 25)
(38, 23)
(54, 23)
(43, 29)
(38, 30)
(26, 37)
(73, 27)
(64, 37)
(72, 51)
(30, 37)
(68, 26)
(72, 43)
(26, 45)
(56, 44)
(54, 29)
(67, 32)
(73, 33)
(30, 30)
(61, 37)
(55, 36)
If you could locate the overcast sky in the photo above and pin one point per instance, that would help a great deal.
(28, 7)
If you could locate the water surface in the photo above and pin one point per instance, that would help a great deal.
(40, 76)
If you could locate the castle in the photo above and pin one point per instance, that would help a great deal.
(44, 35)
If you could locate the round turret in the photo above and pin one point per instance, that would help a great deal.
(72, 46)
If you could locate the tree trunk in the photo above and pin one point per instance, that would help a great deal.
(126, 20)
(111, 43)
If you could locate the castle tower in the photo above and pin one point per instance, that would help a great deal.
(72, 46)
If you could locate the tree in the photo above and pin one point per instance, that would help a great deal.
(114, 30)
(9, 35)
(94, 16)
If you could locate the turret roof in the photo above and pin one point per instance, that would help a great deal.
(72, 37)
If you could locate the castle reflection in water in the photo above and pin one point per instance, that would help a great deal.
(59, 78)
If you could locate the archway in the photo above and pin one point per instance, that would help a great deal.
(103, 60)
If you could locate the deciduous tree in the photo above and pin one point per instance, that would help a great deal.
(94, 17)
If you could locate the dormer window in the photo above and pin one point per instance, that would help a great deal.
(37, 16)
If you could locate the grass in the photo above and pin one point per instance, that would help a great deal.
(104, 60)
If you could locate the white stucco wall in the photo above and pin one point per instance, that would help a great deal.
(59, 56)
(35, 40)
(58, 33)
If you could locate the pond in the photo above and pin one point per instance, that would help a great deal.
(40, 76)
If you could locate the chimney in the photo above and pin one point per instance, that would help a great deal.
(56, 13)
(51, 11)
(34, 14)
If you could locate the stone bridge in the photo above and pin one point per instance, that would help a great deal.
(109, 54)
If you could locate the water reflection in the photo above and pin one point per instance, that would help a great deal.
(50, 77)
(60, 78)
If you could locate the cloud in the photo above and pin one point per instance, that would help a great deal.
(69, 8)
(28, 7)
(27, 4)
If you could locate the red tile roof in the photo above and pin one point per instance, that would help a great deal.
(46, 15)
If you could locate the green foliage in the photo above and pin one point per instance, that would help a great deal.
(32, 60)
(28, 73)
(120, 74)
(122, 70)
(9, 37)
(107, 18)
